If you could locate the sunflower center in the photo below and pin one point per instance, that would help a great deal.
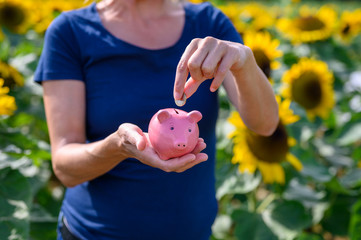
(306, 90)
(262, 61)
(11, 15)
(271, 149)
(346, 29)
(310, 23)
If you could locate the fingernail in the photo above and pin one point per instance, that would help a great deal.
(181, 102)
(213, 89)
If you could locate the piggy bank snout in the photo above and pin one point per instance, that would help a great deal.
(180, 144)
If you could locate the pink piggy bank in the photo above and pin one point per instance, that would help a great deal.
(173, 132)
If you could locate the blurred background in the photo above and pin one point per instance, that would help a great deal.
(303, 182)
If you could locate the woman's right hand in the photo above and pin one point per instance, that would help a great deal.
(135, 143)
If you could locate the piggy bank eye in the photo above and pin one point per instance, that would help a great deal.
(189, 130)
(171, 128)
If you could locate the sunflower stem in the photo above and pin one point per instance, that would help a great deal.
(264, 204)
(252, 201)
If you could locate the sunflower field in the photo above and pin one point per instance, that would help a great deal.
(303, 182)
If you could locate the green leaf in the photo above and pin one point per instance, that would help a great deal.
(14, 229)
(355, 222)
(303, 193)
(20, 119)
(317, 172)
(331, 121)
(15, 201)
(337, 218)
(251, 226)
(351, 136)
(14, 186)
(352, 178)
(333, 154)
(290, 58)
(49, 200)
(309, 236)
(287, 218)
(335, 186)
(43, 230)
(222, 226)
(356, 155)
(239, 183)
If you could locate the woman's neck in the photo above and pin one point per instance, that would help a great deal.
(151, 24)
(123, 10)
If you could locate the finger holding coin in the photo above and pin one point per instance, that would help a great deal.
(181, 102)
(203, 59)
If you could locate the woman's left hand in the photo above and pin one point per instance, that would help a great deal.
(208, 58)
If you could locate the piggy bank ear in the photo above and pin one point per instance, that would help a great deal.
(163, 115)
(194, 116)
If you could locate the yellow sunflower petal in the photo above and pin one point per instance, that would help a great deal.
(3, 90)
(247, 168)
(266, 174)
(7, 105)
(271, 172)
(278, 172)
(291, 141)
(294, 161)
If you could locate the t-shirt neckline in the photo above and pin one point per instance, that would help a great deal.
(119, 40)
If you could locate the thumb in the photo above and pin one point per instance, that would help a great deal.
(134, 135)
(140, 139)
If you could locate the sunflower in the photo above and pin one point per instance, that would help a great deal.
(65, 5)
(310, 25)
(7, 103)
(350, 25)
(264, 50)
(14, 16)
(10, 75)
(42, 15)
(310, 84)
(252, 151)
(233, 11)
(254, 16)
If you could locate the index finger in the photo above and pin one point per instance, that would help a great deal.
(182, 70)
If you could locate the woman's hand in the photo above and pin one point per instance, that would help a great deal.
(234, 65)
(134, 143)
(208, 58)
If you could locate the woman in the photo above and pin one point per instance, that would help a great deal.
(105, 70)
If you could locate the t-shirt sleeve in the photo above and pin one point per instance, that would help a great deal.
(60, 58)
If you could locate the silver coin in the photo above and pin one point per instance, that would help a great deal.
(181, 102)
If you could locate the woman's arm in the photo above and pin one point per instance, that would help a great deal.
(234, 65)
(251, 93)
(75, 161)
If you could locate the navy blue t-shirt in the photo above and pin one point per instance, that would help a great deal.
(129, 84)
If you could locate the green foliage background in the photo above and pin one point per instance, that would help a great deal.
(320, 202)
